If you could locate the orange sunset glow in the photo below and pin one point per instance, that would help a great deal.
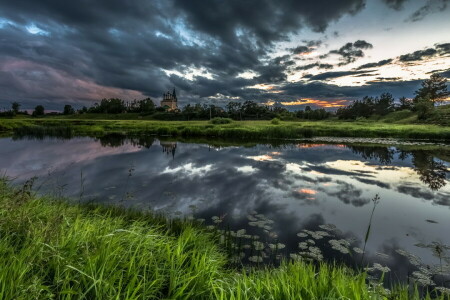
(307, 191)
(316, 102)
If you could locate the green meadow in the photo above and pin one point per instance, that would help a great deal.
(96, 125)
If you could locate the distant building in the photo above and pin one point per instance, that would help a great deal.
(170, 100)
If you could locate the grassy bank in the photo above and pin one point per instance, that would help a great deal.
(236, 129)
(54, 250)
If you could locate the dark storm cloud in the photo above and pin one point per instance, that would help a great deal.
(381, 79)
(395, 4)
(301, 50)
(331, 75)
(320, 89)
(376, 64)
(366, 74)
(418, 55)
(429, 8)
(351, 51)
(309, 46)
(438, 51)
(443, 49)
(128, 45)
(82, 50)
(266, 20)
(314, 65)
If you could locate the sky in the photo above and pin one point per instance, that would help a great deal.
(294, 52)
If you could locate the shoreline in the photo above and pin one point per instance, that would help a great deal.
(242, 130)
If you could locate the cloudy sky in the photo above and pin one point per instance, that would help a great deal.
(297, 52)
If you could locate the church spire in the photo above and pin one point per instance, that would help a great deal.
(174, 95)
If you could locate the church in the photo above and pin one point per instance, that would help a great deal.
(170, 101)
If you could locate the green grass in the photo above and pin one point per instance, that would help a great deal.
(51, 249)
(237, 129)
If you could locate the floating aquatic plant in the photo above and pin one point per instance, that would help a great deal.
(340, 245)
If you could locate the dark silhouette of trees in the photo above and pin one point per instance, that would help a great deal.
(384, 104)
(313, 114)
(68, 110)
(405, 103)
(15, 106)
(435, 89)
(367, 107)
(234, 110)
(144, 106)
(39, 111)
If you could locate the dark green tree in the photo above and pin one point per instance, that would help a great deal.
(384, 104)
(146, 106)
(111, 106)
(423, 106)
(68, 110)
(435, 89)
(15, 106)
(405, 103)
(39, 111)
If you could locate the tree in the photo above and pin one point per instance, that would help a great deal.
(405, 103)
(423, 106)
(146, 106)
(15, 107)
(384, 104)
(38, 111)
(68, 110)
(111, 106)
(435, 89)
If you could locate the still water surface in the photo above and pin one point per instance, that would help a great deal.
(299, 186)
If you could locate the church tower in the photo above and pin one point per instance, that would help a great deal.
(170, 101)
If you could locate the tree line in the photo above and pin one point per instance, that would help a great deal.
(432, 92)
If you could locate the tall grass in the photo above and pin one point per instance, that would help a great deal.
(50, 249)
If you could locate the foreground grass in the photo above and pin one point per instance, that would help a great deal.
(236, 129)
(54, 250)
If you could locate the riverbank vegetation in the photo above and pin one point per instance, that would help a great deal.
(53, 249)
(243, 130)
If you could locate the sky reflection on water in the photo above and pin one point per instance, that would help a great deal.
(299, 186)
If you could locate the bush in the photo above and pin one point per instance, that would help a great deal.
(221, 121)
(275, 121)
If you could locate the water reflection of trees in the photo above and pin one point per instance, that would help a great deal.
(431, 171)
(384, 155)
(118, 140)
